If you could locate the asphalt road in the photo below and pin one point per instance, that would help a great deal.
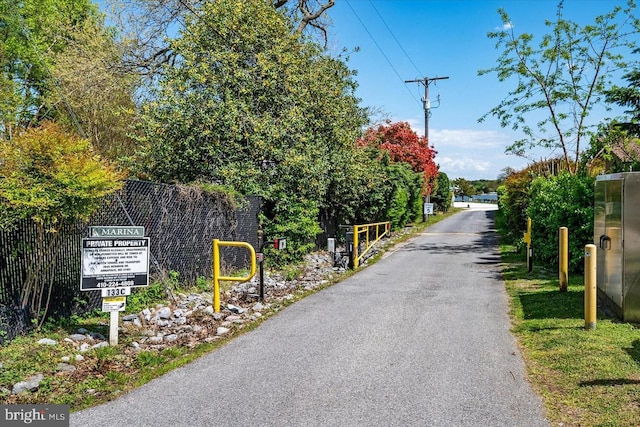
(421, 338)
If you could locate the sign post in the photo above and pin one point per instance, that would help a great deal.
(114, 259)
(278, 244)
(427, 210)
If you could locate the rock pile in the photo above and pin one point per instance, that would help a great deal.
(190, 318)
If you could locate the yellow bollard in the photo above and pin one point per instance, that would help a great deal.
(527, 239)
(590, 288)
(564, 259)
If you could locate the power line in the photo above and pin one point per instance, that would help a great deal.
(382, 52)
(394, 37)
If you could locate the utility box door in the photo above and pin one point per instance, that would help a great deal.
(617, 238)
(631, 247)
(608, 237)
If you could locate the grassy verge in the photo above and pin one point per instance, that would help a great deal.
(105, 373)
(586, 378)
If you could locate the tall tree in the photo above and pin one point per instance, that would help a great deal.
(404, 145)
(94, 94)
(629, 97)
(442, 194)
(147, 26)
(251, 106)
(31, 30)
(564, 77)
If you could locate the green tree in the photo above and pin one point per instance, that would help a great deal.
(253, 106)
(442, 195)
(52, 178)
(462, 187)
(563, 78)
(614, 148)
(31, 31)
(145, 26)
(561, 201)
(405, 204)
(93, 93)
(513, 201)
(629, 97)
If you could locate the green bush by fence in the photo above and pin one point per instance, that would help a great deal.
(181, 222)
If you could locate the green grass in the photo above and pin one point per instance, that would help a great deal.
(586, 377)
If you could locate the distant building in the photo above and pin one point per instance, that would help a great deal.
(485, 198)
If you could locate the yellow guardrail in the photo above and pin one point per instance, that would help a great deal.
(216, 269)
(371, 234)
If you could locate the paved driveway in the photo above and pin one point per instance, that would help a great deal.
(421, 338)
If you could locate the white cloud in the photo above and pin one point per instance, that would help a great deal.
(464, 165)
(472, 153)
(469, 138)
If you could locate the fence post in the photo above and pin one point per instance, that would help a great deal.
(563, 270)
(355, 246)
(590, 287)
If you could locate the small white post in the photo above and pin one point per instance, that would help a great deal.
(113, 328)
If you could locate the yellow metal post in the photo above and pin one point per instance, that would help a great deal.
(527, 240)
(367, 245)
(355, 246)
(590, 289)
(370, 241)
(216, 268)
(216, 274)
(563, 270)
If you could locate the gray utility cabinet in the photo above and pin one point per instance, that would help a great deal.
(617, 238)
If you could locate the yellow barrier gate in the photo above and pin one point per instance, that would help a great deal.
(216, 269)
(367, 231)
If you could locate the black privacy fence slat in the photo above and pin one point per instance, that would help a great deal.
(181, 222)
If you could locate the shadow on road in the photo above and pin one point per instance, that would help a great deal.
(484, 243)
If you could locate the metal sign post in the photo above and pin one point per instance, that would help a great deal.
(278, 244)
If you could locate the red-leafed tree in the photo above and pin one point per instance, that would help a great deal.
(404, 145)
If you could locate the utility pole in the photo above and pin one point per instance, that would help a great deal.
(426, 104)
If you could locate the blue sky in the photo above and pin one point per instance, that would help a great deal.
(411, 39)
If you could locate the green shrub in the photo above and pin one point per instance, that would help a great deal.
(406, 202)
(441, 196)
(562, 201)
(513, 201)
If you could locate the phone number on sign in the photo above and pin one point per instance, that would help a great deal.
(122, 284)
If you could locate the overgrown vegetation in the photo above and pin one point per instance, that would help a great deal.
(241, 99)
(561, 201)
(52, 178)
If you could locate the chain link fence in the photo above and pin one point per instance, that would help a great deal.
(181, 222)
